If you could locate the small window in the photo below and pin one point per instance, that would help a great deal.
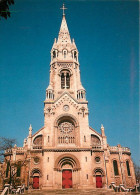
(48, 159)
(86, 158)
(18, 169)
(75, 55)
(54, 54)
(128, 168)
(64, 54)
(84, 138)
(47, 177)
(97, 159)
(48, 138)
(87, 176)
(36, 160)
(115, 165)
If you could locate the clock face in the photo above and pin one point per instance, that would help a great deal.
(66, 127)
(66, 108)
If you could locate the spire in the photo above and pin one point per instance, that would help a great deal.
(64, 36)
(102, 130)
(30, 130)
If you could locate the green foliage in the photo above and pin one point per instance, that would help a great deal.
(4, 8)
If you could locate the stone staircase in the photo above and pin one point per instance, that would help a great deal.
(76, 192)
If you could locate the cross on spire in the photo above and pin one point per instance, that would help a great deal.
(63, 8)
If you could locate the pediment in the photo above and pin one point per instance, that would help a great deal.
(65, 98)
(39, 132)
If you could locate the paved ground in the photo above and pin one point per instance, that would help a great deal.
(78, 192)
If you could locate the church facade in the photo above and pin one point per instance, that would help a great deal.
(66, 152)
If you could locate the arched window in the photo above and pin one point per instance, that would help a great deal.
(75, 55)
(38, 140)
(18, 169)
(62, 81)
(84, 138)
(54, 54)
(95, 141)
(115, 165)
(64, 54)
(128, 168)
(66, 132)
(65, 79)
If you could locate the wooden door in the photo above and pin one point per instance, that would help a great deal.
(98, 181)
(36, 182)
(67, 179)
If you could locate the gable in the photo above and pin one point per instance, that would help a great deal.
(65, 97)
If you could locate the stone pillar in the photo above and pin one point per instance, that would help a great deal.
(104, 139)
(30, 137)
(14, 152)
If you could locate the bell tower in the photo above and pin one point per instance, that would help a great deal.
(65, 83)
(64, 66)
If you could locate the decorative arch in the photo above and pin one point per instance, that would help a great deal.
(115, 167)
(68, 117)
(67, 159)
(127, 162)
(36, 172)
(63, 69)
(65, 75)
(38, 140)
(95, 140)
(98, 171)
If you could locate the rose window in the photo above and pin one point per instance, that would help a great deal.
(66, 127)
(66, 133)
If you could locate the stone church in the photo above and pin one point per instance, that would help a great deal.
(66, 152)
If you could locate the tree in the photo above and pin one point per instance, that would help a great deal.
(137, 172)
(4, 8)
(5, 143)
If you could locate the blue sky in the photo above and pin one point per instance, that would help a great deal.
(106, 35)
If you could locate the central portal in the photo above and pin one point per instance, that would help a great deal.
(67, 178)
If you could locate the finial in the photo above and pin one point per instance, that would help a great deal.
(30, 128)
(63, 8)
(15, 146)
(102, 130)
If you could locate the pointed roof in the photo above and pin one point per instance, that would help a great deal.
(64, 35)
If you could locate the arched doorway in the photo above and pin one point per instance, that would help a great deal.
(36, 174)
(98, 173)
(68, 165)
(67, 178)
